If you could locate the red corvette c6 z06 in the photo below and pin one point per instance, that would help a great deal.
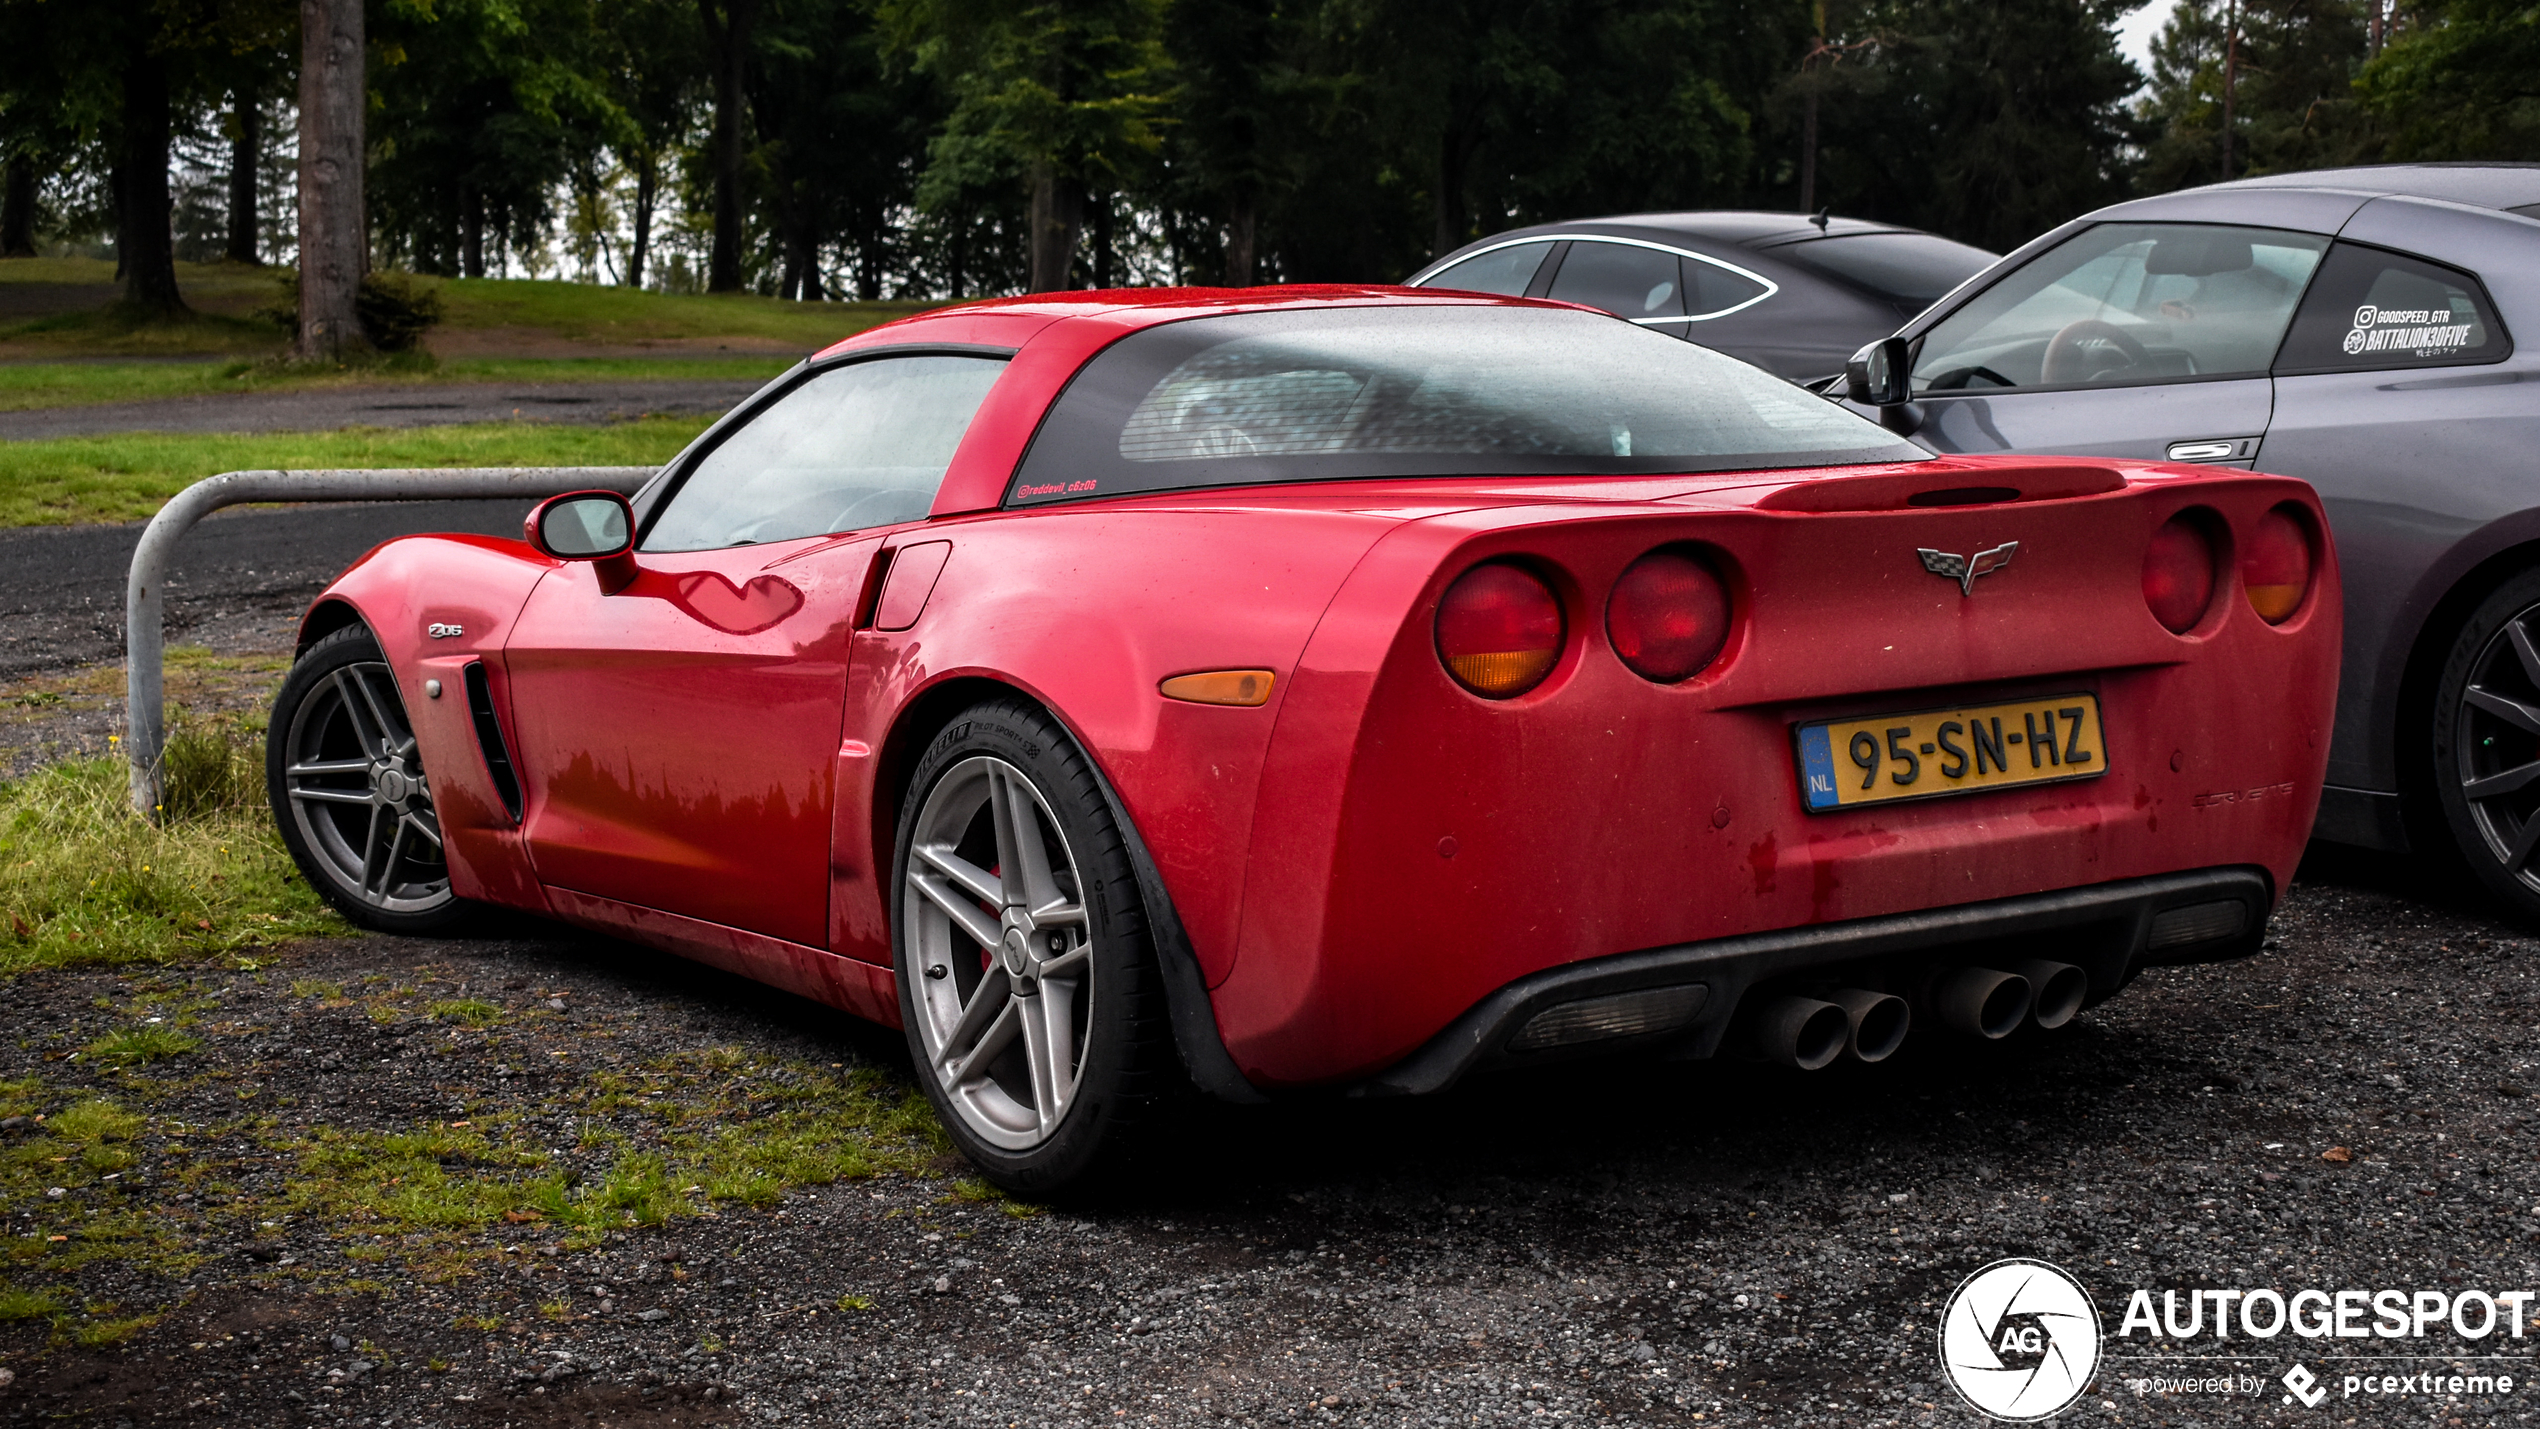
(1335, 688)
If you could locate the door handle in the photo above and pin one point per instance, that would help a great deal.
(2213, 449)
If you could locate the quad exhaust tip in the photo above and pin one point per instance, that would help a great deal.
(2056, 991)
(1799, 1032)
(1981, 1002)
(1877, 1022)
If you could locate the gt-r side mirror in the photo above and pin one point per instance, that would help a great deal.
(1881, 374)
(594, 526)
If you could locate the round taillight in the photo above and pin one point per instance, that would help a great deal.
(2178, 573)
(2275, 565)
(1668, 616)
(1499, 630)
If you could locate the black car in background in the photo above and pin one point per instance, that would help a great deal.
(1794, 295)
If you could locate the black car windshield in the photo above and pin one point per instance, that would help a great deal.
(1332, 393)
(1911, 270)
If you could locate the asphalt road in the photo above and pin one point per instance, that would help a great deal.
(434, 405)
(241, 576)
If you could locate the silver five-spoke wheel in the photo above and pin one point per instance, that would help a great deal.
(1002, 947)
(349, 790)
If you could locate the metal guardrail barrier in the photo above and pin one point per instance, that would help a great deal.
(145, 635)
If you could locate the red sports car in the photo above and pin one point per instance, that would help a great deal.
(1334, 688)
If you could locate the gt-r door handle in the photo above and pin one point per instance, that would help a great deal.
(2214, 449)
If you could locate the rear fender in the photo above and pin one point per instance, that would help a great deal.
(436, 605)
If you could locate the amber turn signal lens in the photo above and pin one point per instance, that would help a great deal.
(1499, 630)
(2275, 565)
(1668, 616)
(1220, 687)
(2178, 573)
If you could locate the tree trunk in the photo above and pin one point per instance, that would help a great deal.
(142, 237)
(729, 34)
(19, 183)
(646, 167)
(471, 231)
(1240, 225)
(1058, 216)
(1449, 202)
(245, 147)
(1106, 264)
(868, 267)
(956, 260)
(334, 234)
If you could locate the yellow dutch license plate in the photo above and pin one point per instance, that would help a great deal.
(1879, 759)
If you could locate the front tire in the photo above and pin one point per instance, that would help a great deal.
(2486, 744)
(1027, 980)
(345, 777)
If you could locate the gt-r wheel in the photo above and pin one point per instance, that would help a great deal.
(1027, 983)
(2486, 764)
(346, 782)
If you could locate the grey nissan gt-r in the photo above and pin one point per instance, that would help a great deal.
(1792, 294)
(2353, 327)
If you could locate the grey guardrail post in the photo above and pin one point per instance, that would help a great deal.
(145, 637)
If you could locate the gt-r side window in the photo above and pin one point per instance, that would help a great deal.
(1622, 278)
(2124, 304)
(2371, 308)
(1501, 270)
(864, 444)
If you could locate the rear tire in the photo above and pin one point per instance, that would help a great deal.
(1034, 1009)
(2485, 763)
(346, 781)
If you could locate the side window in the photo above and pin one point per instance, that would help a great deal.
(2124, 303)
(2375, 309)
(1621, 278)
(1501, 270)
(1711, 290)
(861, 445)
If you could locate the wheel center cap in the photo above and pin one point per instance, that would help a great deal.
(1017, 952)
(391, 784)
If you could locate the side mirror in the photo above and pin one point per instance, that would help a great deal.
(594, 526)
(1881, 374)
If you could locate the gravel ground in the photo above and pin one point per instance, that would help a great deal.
(421, 405)
(1645, 1244)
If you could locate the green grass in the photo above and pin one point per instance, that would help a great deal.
(594, 313)
(468, 1012)
(84, 881)
(127, 477)
(140, 1046)
(227, 299)
(28, 386)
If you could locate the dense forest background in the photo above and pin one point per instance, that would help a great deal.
(905, 148)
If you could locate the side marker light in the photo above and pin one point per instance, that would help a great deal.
(1220, 687)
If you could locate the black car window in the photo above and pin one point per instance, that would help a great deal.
(2121, 303)
(1622, 278)
(861, 445)
(1711, 290)
(1334, 393)
(1501, 270)
(2370, 308)
(1911, 270)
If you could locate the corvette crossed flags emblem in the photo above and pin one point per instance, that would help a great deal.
(1965, 569)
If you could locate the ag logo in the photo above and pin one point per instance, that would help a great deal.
(2019, 1340)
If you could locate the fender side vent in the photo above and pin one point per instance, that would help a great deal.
(489, 739)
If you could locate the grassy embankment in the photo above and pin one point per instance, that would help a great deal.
(127, 477)
(61, 333)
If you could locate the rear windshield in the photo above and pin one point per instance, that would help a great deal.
(1911, 270)
(1335, 393)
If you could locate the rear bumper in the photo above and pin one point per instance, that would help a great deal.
(2110, 930)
